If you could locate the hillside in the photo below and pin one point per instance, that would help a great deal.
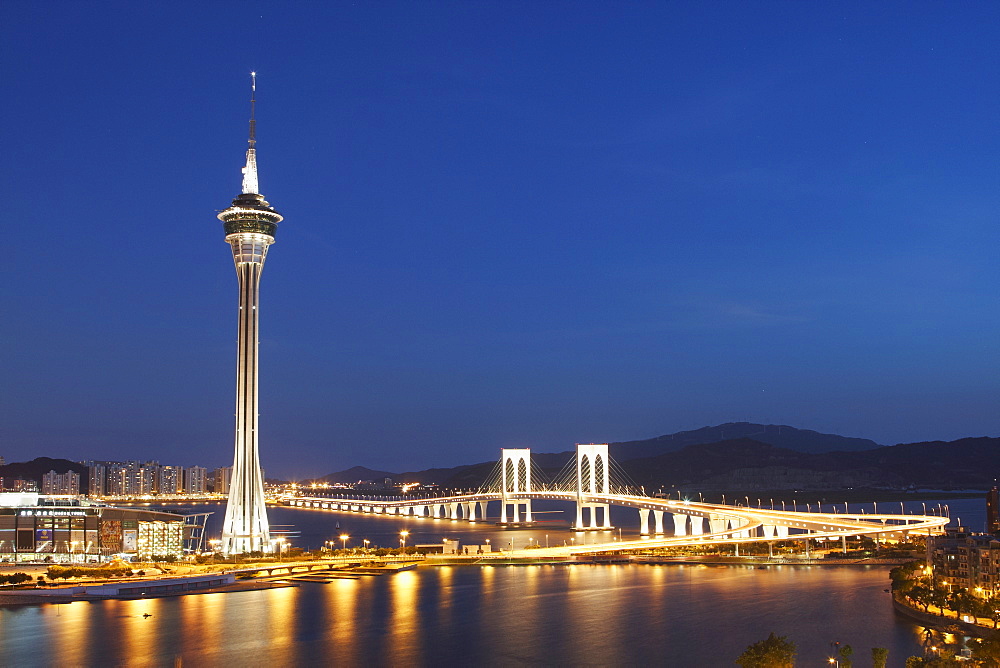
(781, 436)
(36, 468)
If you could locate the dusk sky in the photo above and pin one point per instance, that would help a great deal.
(507, 224)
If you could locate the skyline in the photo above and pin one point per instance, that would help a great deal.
(512, 226)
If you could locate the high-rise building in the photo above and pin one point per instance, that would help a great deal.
(97, 479)
(993, 510)
(61, 483)
(169, 480)
(249, 225)
(221, 478)
(195, 480)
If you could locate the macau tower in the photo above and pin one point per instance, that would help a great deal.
(249, 224)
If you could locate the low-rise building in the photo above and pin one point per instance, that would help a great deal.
(36, 528)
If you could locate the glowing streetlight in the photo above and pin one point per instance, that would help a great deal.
(367, 542)
(402, 537)
(343, 540)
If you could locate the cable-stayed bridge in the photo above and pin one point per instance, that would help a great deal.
(594, 483)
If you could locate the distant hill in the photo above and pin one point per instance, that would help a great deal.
(358, 474)
(782, 436)
(747, 465)
(36, 468)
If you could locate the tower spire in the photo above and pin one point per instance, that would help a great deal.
(250, 185)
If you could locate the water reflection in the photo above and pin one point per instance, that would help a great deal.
(72, 645)
(347, 615)
(551, 615)
(404, 641)
(139, 629)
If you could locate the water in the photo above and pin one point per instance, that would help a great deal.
(581, 615)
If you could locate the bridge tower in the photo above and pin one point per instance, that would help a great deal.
(592, 477)
(515, 479)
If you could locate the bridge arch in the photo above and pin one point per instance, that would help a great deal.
(592, 478)
(515, 471)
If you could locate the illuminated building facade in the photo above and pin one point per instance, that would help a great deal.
(61, 483)
(250, 224)
(966, 560)
(195, 480)
(34, 528)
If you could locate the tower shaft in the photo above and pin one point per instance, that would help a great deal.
(246, 527)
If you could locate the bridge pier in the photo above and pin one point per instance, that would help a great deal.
(644, 521)
(717, 523)
(658, 518)
(592, 522)
(680, 524)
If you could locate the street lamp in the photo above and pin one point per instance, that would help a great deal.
(366, 543)
(488, 545)
(402, 537)
(214, 544)
(343, 540)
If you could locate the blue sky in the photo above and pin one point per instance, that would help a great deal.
(506, 225)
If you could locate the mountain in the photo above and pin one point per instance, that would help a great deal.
(748, 465)
(782, 436)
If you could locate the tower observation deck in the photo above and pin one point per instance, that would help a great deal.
(249, 225)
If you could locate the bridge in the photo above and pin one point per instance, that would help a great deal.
(595, 483)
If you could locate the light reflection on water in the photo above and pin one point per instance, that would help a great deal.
(553, 615)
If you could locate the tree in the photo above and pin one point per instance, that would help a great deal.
(846, 652)
(774, 652)
(921, 594)
(880, 655)
(987, 652)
